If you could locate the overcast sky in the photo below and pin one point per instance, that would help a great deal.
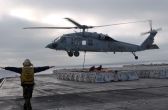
(17, 44)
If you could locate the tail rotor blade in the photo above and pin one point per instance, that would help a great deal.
(144, 33)
(150, 24)
(159, 29)
(151, 29)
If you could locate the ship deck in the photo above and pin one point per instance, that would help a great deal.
(53, 94)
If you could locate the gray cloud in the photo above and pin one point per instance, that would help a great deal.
(17, 44)
(108, 8)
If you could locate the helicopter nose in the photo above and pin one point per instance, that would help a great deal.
(51, 46)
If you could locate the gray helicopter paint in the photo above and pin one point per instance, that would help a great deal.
(95, 42)
(147, 43)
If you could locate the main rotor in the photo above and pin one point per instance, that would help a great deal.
(84, 27)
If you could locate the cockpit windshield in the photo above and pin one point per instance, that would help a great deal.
(56, 39)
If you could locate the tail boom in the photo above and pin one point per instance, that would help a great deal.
(148, 43)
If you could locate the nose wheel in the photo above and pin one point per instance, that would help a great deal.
(136, 57)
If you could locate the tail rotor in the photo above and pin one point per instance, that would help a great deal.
(151, 29)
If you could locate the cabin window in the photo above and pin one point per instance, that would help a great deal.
(83, 42)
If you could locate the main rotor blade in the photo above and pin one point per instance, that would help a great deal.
(120, 23)
(79, 26)
(74, 22)
(50, 28)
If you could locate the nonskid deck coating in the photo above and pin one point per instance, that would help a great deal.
(53, 94)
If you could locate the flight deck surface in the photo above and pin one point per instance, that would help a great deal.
(52, 94)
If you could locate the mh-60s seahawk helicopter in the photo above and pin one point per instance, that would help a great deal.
(97, 42)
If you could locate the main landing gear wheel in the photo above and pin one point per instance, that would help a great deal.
(136, 57)
(70, 53)
(76, 53)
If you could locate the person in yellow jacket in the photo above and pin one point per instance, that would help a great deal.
(27, 78)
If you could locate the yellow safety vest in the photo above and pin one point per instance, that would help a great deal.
(27, 75)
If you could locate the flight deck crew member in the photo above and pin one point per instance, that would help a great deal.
(27, 79)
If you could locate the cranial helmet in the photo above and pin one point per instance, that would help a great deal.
(27, 63)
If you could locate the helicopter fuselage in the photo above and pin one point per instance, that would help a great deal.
(92, 42)
(97, 42)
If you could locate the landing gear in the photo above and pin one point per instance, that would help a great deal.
(76, 53)
(136, 57)
(70, 53)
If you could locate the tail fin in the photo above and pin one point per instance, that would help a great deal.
(148, 43)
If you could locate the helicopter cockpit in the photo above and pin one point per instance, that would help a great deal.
(56, 39)
(60, 39)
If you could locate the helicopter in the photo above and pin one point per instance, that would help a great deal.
(85, 41)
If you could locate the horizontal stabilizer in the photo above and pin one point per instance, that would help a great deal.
(154, 46)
